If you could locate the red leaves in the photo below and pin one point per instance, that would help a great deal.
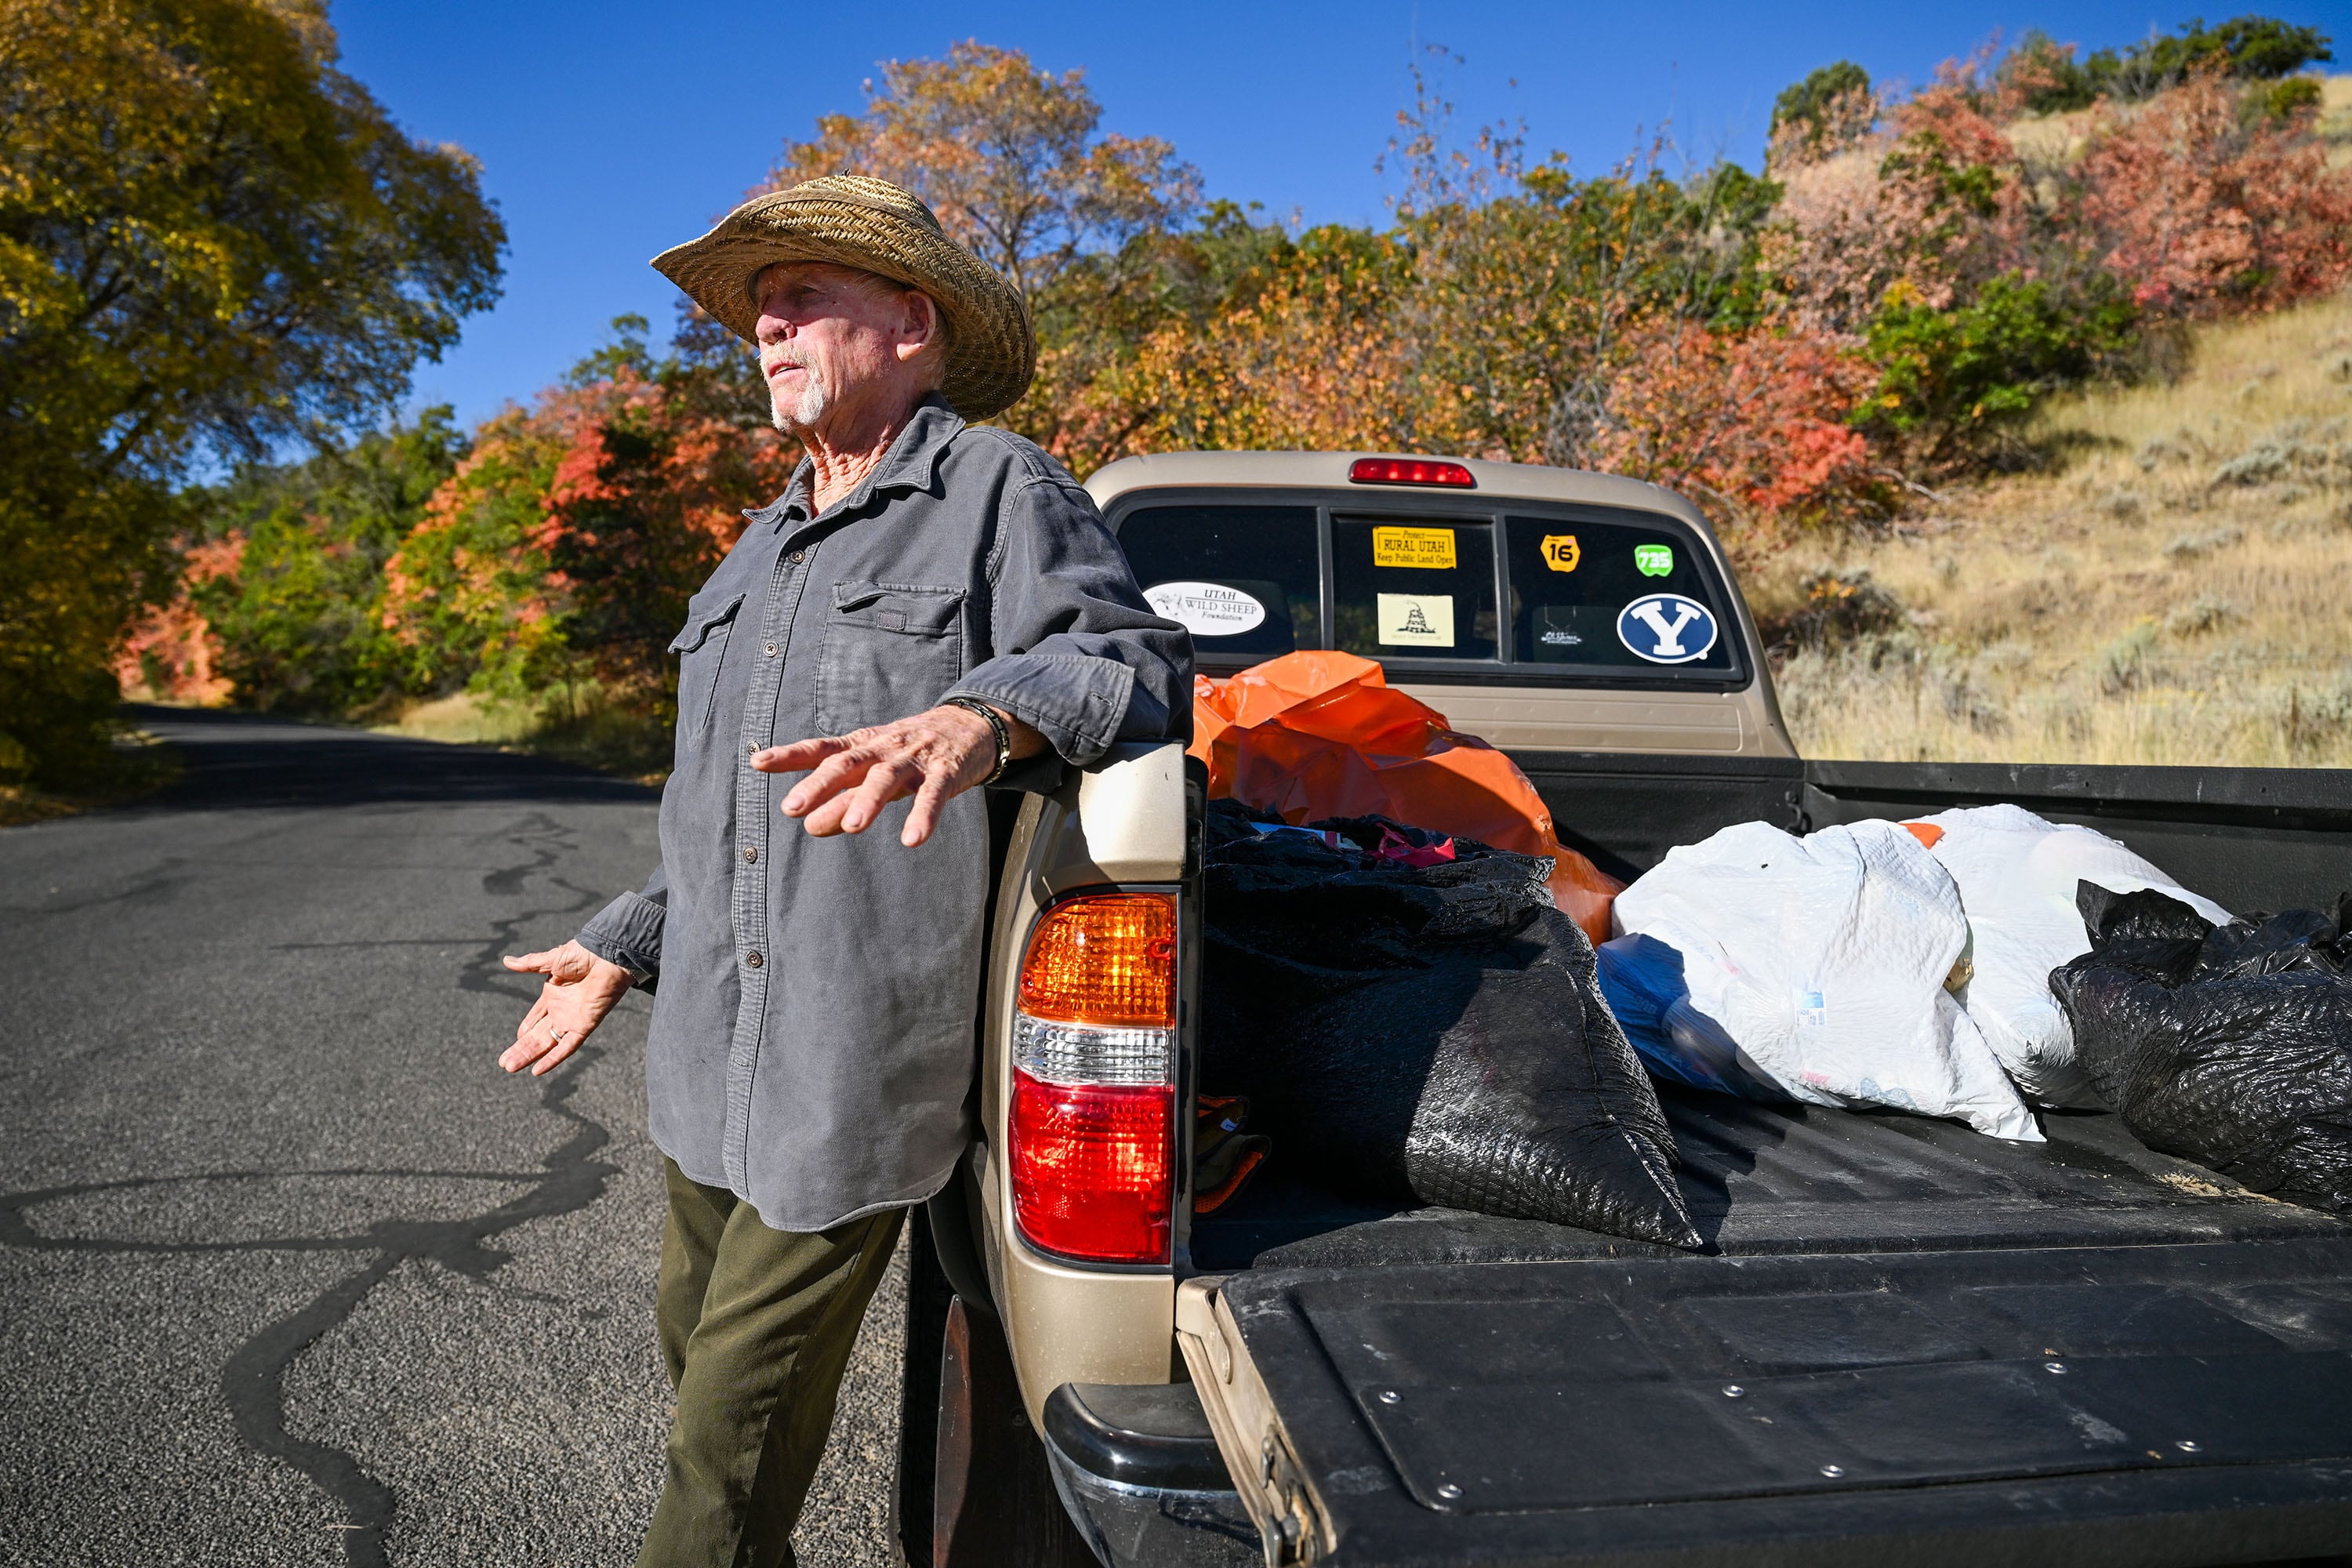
(2205, 211)
(1756, 418)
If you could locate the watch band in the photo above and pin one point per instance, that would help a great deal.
(996, 726)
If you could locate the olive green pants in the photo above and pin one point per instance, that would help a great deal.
(756, 1327)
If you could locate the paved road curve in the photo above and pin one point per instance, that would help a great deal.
(289, 1272)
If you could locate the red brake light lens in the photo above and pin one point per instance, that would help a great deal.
(1092, 1122)
(1091, 1167)
(1410, 472)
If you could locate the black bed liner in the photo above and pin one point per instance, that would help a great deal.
(1888, 1293)
(1763, 1179)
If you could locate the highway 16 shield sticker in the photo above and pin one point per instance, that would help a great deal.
(1666, 628)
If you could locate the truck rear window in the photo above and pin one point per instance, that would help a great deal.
(1246, 579)
(1413, 587)
(1613, 593)
(1441, 589)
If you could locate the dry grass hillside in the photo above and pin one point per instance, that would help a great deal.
(2177, 589)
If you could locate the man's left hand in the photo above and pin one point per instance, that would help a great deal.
(933, 756)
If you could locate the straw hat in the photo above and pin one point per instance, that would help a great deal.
(875, 227)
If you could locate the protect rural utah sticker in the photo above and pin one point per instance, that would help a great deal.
(1206, 609)
(1416, 620)
(1424, 547)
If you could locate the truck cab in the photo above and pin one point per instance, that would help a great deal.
(1903, 1340)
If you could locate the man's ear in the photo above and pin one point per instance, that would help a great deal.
(923, 327)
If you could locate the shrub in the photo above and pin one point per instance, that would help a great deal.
(1952, 381)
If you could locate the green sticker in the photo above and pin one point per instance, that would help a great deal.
(1653, 560)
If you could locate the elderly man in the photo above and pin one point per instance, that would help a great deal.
(936, 606)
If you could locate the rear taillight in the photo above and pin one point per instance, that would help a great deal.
(1094, 1058)
(1410, 472)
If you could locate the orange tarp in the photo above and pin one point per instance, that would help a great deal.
(1318, 734)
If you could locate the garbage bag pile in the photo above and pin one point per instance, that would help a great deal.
(1321, 735)
(1816, 969)
(2017, 874)
(1907, 966)
(1431, 1031)
(2226, 1043)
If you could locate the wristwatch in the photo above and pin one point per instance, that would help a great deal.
(996, 726)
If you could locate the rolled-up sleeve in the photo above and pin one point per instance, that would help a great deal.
(1077, 654)
(628, 931)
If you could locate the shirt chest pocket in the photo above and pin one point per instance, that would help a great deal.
(702, 648)
(890, 649)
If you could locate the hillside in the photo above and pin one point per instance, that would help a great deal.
(2177, 590)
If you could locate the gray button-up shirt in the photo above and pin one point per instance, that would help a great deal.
(811, 1043)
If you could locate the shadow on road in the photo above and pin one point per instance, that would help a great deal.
(244, 760)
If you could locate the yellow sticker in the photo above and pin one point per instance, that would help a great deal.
(1423, 547)
(1560, 552)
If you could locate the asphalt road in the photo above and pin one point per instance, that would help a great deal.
(289, 1272)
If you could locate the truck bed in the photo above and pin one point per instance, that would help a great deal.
(1762, 1180)
(1903, 1341)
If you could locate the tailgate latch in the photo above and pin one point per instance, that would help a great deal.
(1272, 1483)
(1290, 1511)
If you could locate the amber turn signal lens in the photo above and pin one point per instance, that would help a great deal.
(1108, 958)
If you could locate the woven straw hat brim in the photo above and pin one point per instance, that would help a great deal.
(991, 349)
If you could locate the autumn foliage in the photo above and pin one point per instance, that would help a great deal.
(1875, 311)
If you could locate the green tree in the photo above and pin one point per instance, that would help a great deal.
(1953, 383)
(211, 241)
(299, 620)
(1811, 107)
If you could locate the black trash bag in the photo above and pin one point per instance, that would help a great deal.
(1432, 1034)
(2230, 1045)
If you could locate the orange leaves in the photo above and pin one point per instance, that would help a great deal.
(571, 538)
(1009, 157)
(171, 652)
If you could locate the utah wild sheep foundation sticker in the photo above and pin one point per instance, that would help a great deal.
(1416, 620)
(1666, 628)
(1206, 609)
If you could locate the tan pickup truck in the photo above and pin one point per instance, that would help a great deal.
(1904, 1340)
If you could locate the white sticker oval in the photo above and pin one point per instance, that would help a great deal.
(1206, 609)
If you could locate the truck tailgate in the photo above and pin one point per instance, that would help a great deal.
(1908, 1344)
(2186, 1403)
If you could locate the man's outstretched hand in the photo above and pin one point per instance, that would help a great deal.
(580, 989)
(933, 756)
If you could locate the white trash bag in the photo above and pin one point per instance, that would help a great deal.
(2017, 874)
(1813, 969)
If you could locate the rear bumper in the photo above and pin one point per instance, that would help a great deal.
(1139, 1474)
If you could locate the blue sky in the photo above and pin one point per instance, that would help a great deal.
(607, 131)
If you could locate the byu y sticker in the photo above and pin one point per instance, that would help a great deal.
(1206, 609)
(1560, 552)
(1666, 628)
